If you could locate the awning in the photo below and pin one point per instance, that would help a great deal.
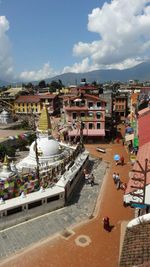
(77, 100)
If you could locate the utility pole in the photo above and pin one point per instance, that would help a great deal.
(36, 152)
(37, 161)
(81, 134)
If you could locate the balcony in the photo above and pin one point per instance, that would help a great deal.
(87, 132)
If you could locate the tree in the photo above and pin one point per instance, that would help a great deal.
(10, 151)
(94, 83)
(2, 151)
(42, 84)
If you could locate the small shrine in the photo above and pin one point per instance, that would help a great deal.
(5, 117)
(6, 171)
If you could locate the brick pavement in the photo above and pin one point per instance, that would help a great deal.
(90, 245)
(77, 210)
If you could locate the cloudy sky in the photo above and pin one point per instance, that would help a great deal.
(42, 38)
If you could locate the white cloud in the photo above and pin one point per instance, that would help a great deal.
(124, 36)
(79, 67)
(45, 72)
(124, 41)
(6, 62)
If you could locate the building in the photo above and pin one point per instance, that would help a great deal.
(8, 97)
(34, 103)
(86, 112)
(138, 188)
(85, 89)
(120, 106)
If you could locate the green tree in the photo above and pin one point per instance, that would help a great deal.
(42, 84)
(10, 151)
(2, 151)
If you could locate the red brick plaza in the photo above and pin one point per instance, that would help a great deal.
(89, 245)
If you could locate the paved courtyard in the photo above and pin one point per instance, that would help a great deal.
(80, 207)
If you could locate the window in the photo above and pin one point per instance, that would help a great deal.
(98, 125)
(90, 125)
(90, 104)
(23, 110)
(53, 198)
(14, 210)
(34, 204)
(74, 116)
(98, 104)
(90, 114)
(18, 109)
(98, 115)
(82, 103)
(82, 114)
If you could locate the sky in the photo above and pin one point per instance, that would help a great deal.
(40, 39)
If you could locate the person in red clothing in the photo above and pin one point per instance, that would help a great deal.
(117, 139)
(122, 160)
(106, 223)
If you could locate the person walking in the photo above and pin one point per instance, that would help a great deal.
(123, 140)
(106, 224)
(114, 177)
(92, 179)
(118, 182)
(122, 160)
(86, 176)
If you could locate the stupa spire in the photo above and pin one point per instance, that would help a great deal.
(44, 124)
(6, 165)
(6, 162)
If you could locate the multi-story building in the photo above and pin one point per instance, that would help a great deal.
(34, 103)
(8, 97)
(120, 108)
(85, 89)
(86, 112)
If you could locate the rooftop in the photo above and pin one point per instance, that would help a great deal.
(144, 126)
(28, 99)
(136, 247)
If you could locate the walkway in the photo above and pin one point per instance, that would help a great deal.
(86, 245)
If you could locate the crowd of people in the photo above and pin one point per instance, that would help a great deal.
(119, 185)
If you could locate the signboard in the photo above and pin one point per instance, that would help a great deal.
(133, 158)
(138, 205)
(129, 137)
(136, 142)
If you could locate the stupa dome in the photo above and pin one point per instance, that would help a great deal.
(46, 148)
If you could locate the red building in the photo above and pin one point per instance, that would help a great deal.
(88, 111)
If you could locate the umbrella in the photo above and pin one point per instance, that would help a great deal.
(129, 130)
(116, 157)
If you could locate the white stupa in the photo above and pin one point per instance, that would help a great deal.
(46, 148)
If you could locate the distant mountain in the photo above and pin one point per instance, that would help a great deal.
(140, 72)
(3, 83)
